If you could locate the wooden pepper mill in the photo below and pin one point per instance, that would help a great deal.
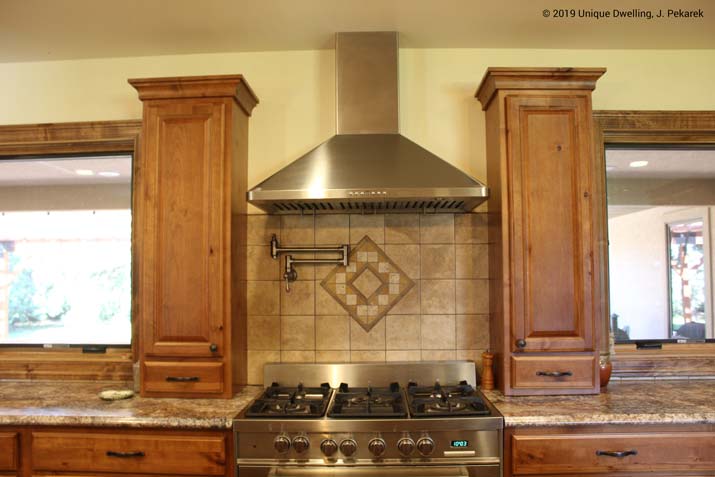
(487, 370)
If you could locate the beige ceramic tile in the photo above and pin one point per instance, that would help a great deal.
(297, 356)
(326, 304)
(402, 332)
(263, 298)
(255, 362)
(407, 257)
(472, 297)
(322, 271)
(437, 228)
(471, 228)
(403, 355)
(332, 356)
(260, 265)
(332, 333)
(305, 271)
(472, 261)
(438, 332)
(363, 340)
(300, 300)
(402, 228)
(472, 331)
(262, 227)
(332, 229)
(297, 230)
(438, 354)
(297, 333)
(367, 356)
(264, 332)
(410, 303)
(437, 261)
(437, 296)
(371, 225)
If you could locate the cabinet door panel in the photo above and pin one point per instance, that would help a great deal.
(8, 450)
(550, 156)
(183, 302)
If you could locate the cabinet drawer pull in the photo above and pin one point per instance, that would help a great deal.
(125, 455)
(554, 374)
(182, 379)
(625, 453)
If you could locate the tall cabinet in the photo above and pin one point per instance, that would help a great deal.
(191, 220)
(542, 174)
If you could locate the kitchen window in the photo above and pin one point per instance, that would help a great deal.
(65, 250)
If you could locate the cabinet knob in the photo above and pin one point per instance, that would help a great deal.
(521, 343)
(213, 347)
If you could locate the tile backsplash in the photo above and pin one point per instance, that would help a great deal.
(443, 316)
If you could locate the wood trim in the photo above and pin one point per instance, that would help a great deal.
(74, 138)
(649, 127)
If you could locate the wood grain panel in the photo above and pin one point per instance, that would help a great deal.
(526, 372)
(128, 454)
(8, 451)
(189, 377)
(578, 453)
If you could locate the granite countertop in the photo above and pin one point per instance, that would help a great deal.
(50, 403)
(625, 402)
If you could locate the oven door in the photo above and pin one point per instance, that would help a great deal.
(372, 471)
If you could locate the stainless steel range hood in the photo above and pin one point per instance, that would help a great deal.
(368, 165)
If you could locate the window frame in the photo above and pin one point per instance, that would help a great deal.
(95, 137)
(629, 127)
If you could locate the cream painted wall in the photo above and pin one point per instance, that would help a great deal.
(297, 92)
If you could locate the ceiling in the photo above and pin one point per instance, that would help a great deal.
(61, 172)
(662, 163)
(37, 30)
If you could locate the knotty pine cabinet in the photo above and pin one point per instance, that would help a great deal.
(191, 219)
(542, 175)
(610, 450)
(87, 452)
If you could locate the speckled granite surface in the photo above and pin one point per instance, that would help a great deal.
(68, 403)
(626, 402)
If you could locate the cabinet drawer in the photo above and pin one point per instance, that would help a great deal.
(152, 454)
(551, 372)
(192, 377)
(8, 450)
(584, 453)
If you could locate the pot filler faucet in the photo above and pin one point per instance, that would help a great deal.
(291, 274)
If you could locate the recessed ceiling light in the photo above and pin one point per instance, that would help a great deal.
(638, 164)
(109, 174)
(84, 172)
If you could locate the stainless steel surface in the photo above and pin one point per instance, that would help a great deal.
(368, 165)
(373, 374)
(366, 83)
(356, 446)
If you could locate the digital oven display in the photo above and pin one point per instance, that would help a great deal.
(459, 444)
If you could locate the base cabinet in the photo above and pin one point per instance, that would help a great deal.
(87, 452)
(610, 450)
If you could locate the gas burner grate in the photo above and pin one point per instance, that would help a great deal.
(287, 402)
(368, 402)
(441, 401)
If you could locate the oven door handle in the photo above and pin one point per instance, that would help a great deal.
(398, 471)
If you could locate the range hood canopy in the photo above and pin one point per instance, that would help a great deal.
(368, 165)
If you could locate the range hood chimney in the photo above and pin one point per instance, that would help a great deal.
(368, 166)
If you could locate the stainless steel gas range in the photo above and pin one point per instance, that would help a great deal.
(420, 419)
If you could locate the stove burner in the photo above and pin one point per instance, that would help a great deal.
(461, 400)
(298, 402)
(368, 402)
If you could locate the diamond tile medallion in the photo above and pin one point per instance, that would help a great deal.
(369, 286)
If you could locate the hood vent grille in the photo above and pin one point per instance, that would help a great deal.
(341, 206)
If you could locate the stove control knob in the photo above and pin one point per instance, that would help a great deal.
(377, 446)
(425, 446)
(301, 444)
(406, 445)
(281, 444)
(348, 447)
(329, 447)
